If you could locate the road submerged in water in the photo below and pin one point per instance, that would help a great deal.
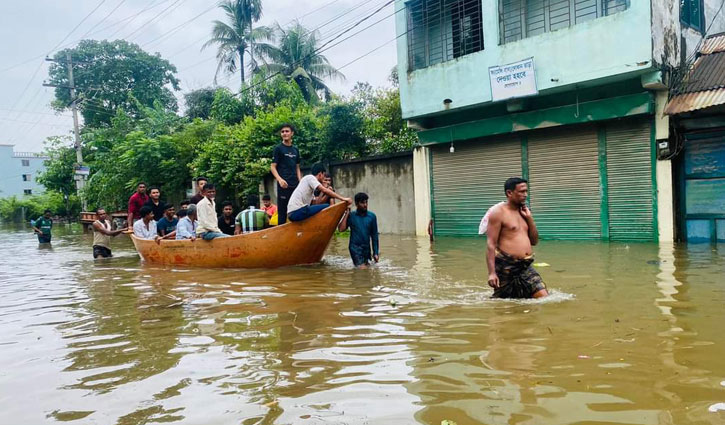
(632, 334)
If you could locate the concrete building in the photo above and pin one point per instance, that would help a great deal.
(19, 171)
(698, 115)
(566, 93)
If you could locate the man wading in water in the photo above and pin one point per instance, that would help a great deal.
(509, 255)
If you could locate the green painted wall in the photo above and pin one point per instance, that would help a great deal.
(585, 54)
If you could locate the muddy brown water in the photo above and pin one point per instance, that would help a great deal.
(633, 334)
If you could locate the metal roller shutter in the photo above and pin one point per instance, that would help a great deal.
(564, 183)
(629, 178)
(468, 182)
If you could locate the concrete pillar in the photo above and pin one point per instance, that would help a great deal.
(665, 182)
(421, 183)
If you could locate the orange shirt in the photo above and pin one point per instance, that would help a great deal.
(270, 210)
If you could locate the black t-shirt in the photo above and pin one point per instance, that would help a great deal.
(157, 209)
(287, 158)
(226, 228)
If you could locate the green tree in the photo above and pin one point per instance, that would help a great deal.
(236, 37)
(110, 75)
(199, 103)
(344, 131)
(227, 108)
(297, 57)
(58, 173)
(385, 129)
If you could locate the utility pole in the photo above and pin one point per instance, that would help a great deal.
(81, 172)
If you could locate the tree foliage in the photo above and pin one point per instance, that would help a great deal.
(112, 75)
(199, 103)
(58, 173)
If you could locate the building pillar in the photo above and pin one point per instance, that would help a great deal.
(421, 183)
(665, 182)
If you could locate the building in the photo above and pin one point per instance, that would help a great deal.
(566, 93)
(19, 172)
(698, 116)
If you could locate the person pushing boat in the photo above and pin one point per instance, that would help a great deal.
(512, 233)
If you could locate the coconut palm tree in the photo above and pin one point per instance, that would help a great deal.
(297, 57)
(236, 37)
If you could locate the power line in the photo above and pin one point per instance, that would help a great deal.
(132, 18)
(178, 27)
(138, 30)
(76, 27)
(104, 19)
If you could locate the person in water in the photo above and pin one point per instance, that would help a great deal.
(511, 235)
(363, 227)
(43, 226)
(102, 234)
(299, 203)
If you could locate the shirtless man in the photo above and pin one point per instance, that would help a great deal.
(509, 254)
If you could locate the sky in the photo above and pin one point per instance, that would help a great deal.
(33, 29)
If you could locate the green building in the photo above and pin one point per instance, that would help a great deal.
(566, 93)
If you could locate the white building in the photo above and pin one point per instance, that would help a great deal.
(19, 172)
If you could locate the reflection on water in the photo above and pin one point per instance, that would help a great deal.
(631, 335)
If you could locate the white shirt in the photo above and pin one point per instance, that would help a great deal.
(303, 194)
(185, 229)
(206, 216)
(140, 230)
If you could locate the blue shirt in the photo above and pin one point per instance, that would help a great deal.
(185, 229)
(363, 228)
(164, 226)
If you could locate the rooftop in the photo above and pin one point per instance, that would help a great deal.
(704, 85)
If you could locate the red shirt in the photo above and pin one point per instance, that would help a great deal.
(135, 202)
(271, 210)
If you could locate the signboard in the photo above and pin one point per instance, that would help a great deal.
(516, 79)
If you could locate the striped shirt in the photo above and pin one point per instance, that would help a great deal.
(252, 220)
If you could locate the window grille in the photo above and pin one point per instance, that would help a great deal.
(25, 162)
(26, 178)
(27, 191)
(691, 13)
(526, 18)
(442, 30)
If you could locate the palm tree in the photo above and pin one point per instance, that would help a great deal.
(236, 37)
(297, 57)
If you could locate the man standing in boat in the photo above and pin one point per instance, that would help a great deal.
(512, 233)
(135, 202)
(200, 182)
(286, 170)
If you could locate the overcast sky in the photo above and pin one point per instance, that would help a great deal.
(32, 29)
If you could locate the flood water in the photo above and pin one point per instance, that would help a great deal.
(633, 334)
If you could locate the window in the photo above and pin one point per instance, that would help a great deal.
(526, 18)
(27, 192)
(27, 178)
(442, 30)
(691, 14)
(25, 162)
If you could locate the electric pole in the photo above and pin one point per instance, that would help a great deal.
(81, 172)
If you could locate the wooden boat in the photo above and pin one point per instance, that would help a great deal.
(294, 243)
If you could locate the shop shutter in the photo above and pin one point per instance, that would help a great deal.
(564, 183)
(468, 182)
(629, 177)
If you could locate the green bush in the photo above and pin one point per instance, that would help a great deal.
(11, 209)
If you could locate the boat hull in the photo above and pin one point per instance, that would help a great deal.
(290, 244)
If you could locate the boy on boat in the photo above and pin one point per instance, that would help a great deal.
(252, 219)
(270, 209)
(363, 227)
(146, 227)
(42, 227)
(186, 229)
(167, 225)
(299, 203)
(208, 228)
(102, 234)
(226, 220)
(200, 182)
(512, 233)
(286, 170)
(155, 203)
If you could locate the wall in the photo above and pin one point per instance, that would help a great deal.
(665, 32)
(610, 46)
(713, 19)
(388, 181)
(12, 170)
